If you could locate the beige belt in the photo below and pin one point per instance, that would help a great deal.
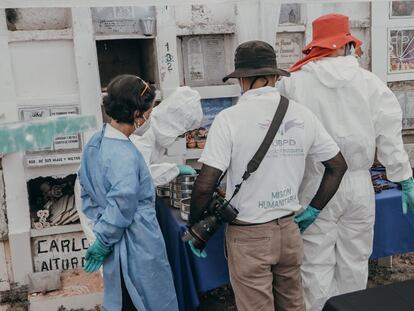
(244, 223)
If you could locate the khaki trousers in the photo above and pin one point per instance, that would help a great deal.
(264, 264)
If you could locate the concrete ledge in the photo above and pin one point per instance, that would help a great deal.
(80, 290)
(87, 302)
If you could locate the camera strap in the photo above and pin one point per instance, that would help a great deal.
(254, 163)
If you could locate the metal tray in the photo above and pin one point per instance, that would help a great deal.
(180, 194)
(185, 208)
(176, 203)
(182, 187)
(185, 178)
(163, 192)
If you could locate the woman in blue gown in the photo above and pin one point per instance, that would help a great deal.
(118, 196)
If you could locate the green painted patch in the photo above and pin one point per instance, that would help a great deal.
(40, 134)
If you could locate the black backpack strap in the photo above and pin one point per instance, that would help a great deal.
(254, 163)
(270, 136)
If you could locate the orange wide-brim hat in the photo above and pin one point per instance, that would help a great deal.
(331, 31)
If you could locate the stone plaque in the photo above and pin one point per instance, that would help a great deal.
(204, 60)
(289, 47)
(59, 252)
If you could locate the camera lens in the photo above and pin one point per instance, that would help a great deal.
(218, 212)
(202, 231)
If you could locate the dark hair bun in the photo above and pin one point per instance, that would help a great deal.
(128, 94)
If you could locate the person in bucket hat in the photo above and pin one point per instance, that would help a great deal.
(264, 245)
(255, 59)
(362, 115)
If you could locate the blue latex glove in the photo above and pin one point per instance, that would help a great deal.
(407, 195)
(95, 256)
(186, 169)
(306, 218)
(196, 251)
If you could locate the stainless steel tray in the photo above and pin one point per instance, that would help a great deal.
(185, 208)
(163, 191)
(180, 194)
(182, 187)
(185, 178)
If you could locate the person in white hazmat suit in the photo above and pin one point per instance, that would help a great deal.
(177, 114)
(362, 115)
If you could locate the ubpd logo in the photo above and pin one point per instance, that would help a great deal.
(286, 126)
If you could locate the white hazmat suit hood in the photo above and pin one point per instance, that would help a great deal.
(334, 72)
(362, 115)
(177, 114)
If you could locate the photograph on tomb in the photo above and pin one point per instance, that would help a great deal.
(290, 13)
(402, 9)
(52, 201)
(401, 50)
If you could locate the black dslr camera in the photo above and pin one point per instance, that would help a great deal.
(218, 211)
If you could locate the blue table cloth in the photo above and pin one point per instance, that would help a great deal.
(393, 235)
(393, 231)
(192, 275)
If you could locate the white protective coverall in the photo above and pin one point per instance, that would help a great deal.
(177, 114)
(361, 114)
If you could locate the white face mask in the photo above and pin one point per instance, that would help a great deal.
(140, 130)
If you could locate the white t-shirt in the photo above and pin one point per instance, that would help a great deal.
(236, 134)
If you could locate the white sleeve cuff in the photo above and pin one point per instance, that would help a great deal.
(213, 163)
(322, 157)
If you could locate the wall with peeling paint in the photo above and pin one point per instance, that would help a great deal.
(206, 19)
(40, 19)
(3, 213)
(5, 266)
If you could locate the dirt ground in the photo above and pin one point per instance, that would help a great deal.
(222, 299)
(402, 270)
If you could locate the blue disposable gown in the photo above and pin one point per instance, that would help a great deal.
(118, 195)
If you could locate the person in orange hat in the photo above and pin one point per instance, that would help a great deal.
(330, 35)
(362, 115)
